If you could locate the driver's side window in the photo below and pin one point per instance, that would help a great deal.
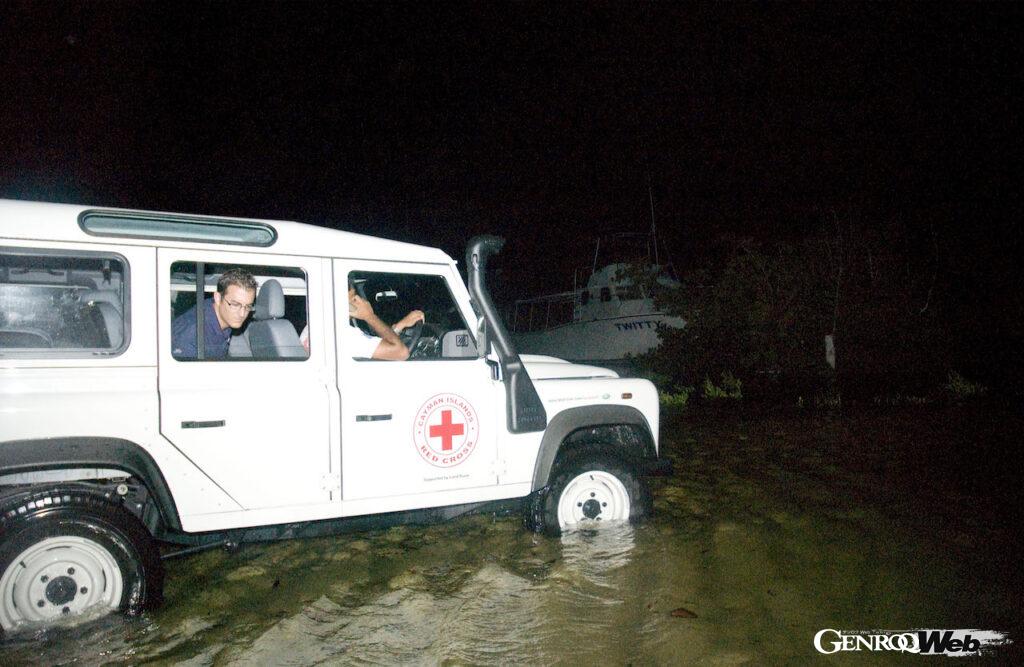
(443, 333)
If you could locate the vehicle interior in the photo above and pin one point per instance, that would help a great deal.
(443, 334)
(272, 330)
(56, 303)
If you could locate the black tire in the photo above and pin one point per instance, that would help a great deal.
(593, 482)
(71, 551)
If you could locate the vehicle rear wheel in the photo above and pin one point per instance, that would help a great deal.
(590, 492)
(65, 553)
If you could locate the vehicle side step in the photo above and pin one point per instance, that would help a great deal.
(227, 544)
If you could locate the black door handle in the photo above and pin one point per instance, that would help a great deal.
(372, 418)
(209, 424)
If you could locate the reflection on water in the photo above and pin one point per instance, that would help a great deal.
(595, 556)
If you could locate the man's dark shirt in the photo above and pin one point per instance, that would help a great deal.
(183, 335)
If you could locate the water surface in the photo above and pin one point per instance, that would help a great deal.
(762, 537)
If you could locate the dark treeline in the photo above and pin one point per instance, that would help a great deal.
(893, 298)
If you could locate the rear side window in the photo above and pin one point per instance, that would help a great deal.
(56, 304)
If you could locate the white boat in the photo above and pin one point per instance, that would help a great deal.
(604, 320)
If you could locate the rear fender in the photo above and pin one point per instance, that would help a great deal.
(87, 454)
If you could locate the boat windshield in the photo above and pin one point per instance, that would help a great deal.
(625, 248)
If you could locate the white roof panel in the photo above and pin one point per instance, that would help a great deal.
(59, 222)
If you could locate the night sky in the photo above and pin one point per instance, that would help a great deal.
(546, 123)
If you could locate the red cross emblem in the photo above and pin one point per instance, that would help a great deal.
(446, 430)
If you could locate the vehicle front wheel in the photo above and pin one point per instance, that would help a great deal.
(590, 492)
(65, 553)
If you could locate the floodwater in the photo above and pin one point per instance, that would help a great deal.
(771, 529)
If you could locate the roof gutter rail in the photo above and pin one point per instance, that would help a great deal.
(524, 409)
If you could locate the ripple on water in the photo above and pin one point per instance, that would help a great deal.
(485, 619)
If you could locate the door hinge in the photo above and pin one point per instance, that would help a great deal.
(331, 481)
(498, 468)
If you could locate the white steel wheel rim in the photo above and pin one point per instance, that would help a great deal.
(59, 577)
(593, 498)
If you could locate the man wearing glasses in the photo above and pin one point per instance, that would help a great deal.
(227, 310)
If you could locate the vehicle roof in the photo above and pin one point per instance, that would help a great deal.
(43, 221)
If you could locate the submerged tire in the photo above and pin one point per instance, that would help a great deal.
(589, 492)
(69, 552)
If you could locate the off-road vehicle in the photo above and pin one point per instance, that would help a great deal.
(109, 444)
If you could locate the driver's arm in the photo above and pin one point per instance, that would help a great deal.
(410, 319)
(391, 347)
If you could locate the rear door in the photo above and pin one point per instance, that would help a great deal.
(260, 429)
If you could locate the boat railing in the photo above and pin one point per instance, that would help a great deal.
(547, 311)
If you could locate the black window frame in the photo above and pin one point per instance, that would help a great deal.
(196, 283)
(361, 276)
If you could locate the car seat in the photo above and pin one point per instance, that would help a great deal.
(108, 304)
(270, 335)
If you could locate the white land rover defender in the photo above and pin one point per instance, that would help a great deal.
(109, 443)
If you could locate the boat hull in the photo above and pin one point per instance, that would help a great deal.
(599, 341)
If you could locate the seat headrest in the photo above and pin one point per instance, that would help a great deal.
(100, 296)
(269, 301)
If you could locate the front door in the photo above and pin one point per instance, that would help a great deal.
(414, 431)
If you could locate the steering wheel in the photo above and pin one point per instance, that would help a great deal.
(411, 335)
